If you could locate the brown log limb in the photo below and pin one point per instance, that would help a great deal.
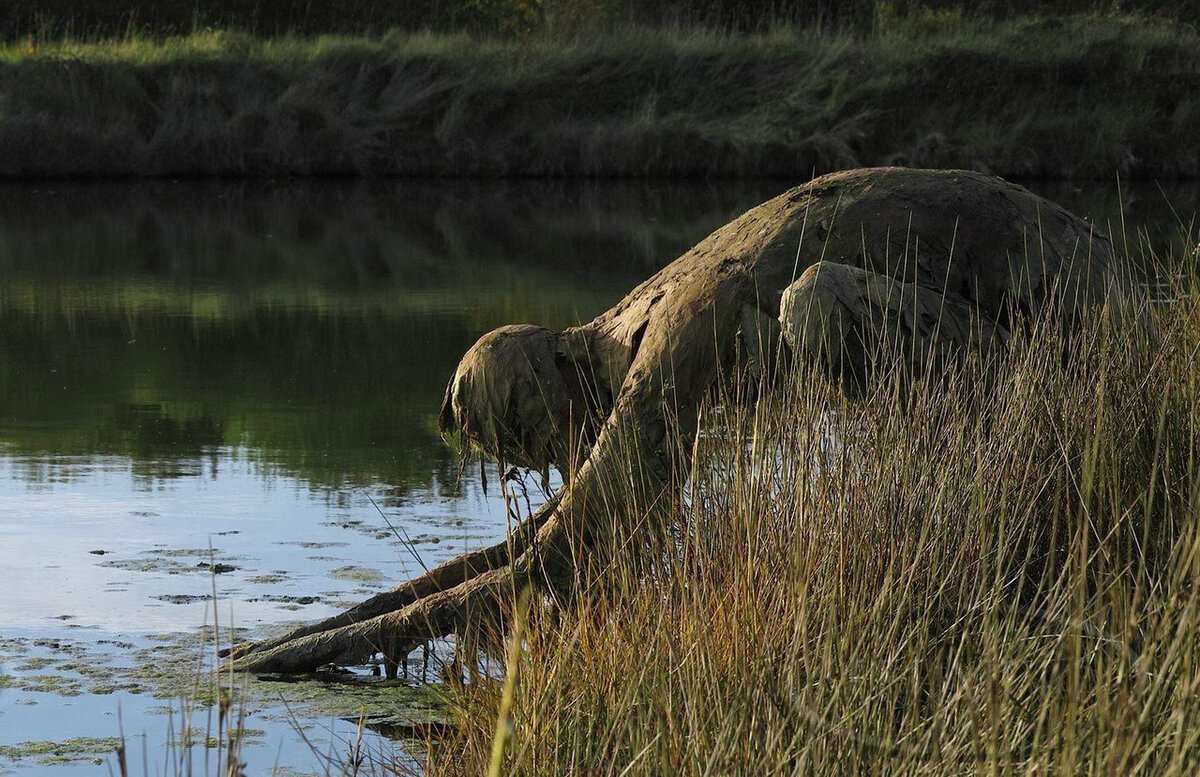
(394, 634)
(444, 577)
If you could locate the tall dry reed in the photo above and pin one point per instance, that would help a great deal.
(984, 573)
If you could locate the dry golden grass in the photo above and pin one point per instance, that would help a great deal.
(920, 580)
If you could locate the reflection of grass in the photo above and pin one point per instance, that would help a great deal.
(408, 234)
(1033, 97)
(556, 298)
(329, 384)
(311, 326)
(927, 579)
(334, 398)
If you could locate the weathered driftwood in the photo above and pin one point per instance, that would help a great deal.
(927, 263)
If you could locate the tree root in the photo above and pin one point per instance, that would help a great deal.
(408, 615)
(469, 596)
(394, 634)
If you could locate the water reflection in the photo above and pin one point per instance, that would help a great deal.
(313, 323)
(316, 323)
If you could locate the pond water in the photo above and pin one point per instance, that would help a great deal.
(233, 387)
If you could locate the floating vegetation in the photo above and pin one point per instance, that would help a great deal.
(65, 752)
(357, 574)
(170, 561)
(161, 670)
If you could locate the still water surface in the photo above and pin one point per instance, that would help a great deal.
(256, 369)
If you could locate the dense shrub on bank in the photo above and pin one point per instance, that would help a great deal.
(92, 19)
(1025, 98)
(95, 19)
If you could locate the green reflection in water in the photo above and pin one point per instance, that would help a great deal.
(315, 324)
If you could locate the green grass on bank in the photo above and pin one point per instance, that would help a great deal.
(1080, 96)
(924, 581)
(96, 19)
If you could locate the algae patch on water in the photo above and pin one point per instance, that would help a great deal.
(357, 574)
(269, 578)
(64, 752)
(175, 561)
(175, 667)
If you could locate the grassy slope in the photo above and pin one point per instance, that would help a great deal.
(1053, 97)
(926, 582)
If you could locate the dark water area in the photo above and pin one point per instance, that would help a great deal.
(315, 324)
(257, 367)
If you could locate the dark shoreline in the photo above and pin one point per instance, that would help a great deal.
(1079, 98)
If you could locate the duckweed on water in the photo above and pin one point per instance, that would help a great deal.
(197, 736)
(58, 685)
(268, 579)
(174, 561)
(167, 670)
(357, 574)
(64, 752)
(34, 664)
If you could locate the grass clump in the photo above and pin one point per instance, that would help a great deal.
(923, 579)
(1077, 96)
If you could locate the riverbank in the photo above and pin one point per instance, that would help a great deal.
(1077, 97)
